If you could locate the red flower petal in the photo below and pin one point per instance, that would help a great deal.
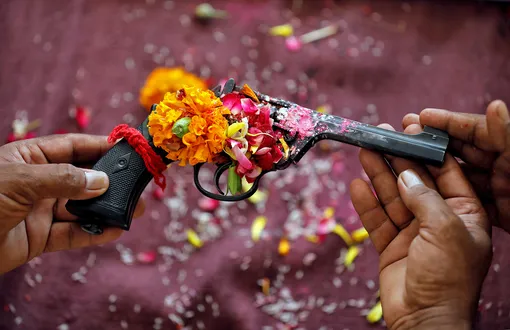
(11, 138)
(255, 139)
(263, 151)
(30, 135)
(265, 161)
(277, 154)
(253, 174)
(233, 102)
(61, 131)
(249, 107)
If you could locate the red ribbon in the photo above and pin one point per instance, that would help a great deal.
(142, 147)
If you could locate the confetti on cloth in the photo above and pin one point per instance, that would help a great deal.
(189, 263)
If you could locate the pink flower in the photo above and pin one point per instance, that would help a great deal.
(251, 174)
(238, 150)
(233, 102)
(238, 104)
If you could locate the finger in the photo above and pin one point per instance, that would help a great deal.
(38, 224)
(431, 210)
(439, 223)
(62, 214)
(480, 181)
(69, 235)
(498, 121)
(501, 178)
(450, 180)
(400, 164)
(469, 128)
(471, 154)
(35, 182)
(410, 119)
(385, 185)
(67, 148)
(453, 184)
(140, 208)
(377, 223)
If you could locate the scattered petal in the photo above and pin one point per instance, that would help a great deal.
(146, 257)
(284, 247)
(257, 227)
(375, 313)
(340, 231)
(324, 109)
(293, 44)
(266, 284)
(82, 117)
(359, 235)
(194, 239)
(208, 204)
(329, 212)
(352, 253)
(312, 238)
(258, 197)
(284, 30)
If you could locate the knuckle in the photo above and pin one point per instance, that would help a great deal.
(68, 176)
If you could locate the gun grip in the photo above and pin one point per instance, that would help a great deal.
(128, 178)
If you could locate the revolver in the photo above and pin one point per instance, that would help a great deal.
(129, 176)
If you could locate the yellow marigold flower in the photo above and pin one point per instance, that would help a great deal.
(203, 138)
(166, 80)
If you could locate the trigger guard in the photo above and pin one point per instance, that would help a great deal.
(217, 175)
(225, 198)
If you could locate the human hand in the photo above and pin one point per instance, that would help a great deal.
(482, 142)
(36, 180)
(433, 237)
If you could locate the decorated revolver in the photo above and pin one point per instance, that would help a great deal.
(242, 131)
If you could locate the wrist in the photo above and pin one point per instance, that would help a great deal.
(437, 318)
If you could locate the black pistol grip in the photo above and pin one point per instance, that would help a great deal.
(128, 178)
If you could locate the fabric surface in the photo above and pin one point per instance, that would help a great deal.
(392, 58)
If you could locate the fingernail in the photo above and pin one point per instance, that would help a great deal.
(410, 178)
(96, 180)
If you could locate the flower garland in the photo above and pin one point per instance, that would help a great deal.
(195, 126)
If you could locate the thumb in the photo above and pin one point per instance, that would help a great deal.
(36, 182)
(427, 205)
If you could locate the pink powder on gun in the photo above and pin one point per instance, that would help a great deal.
(299, 120)
(345, 125)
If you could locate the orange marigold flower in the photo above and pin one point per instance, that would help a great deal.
(203, 138)
(198, 125)
(166, 80)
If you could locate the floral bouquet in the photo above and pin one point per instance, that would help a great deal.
(193, 126)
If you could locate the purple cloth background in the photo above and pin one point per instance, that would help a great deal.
(59, 53)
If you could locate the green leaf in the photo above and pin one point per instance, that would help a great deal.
(234, 184)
